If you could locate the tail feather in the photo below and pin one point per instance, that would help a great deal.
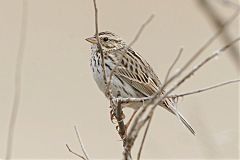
(169, 105)
(186, 124)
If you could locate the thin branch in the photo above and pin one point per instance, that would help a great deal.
(78, 155)
(216, 20)
(17, 81)
(144, 135)
(127, 100)
(81, 144)
(206, 89)
(141, 30)
(173, 64)
(99, 43)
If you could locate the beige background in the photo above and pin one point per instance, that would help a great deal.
(58, 91)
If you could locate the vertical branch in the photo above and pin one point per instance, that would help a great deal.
(17, 81)
(99, 44)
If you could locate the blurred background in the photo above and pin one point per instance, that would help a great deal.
(58, 90)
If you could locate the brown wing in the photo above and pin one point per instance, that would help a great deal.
(135, 71)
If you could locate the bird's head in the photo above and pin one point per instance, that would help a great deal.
(108, 40)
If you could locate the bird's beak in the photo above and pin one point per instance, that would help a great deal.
(92, 40)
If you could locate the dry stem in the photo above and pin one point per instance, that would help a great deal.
(85, 157)
(205, 89)
(78, 155)
(80, 142)
(173, 64)
(150, 116)
(99, 43)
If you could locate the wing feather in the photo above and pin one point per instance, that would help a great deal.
(138, 74)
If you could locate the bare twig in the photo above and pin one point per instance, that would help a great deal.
(216, 19)
(127, 100)
(78, 155)
(173, 64)
(144, 135)
(17, 81)
(99, 43)
(205, 89)
(85, 157)
(141, 30)
(81, 144)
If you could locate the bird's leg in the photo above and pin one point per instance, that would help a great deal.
(113, 115)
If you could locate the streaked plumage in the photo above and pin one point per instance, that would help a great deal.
(133, 78)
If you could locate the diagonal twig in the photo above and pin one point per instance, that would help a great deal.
(78, 155)
(140, 31)
(205, 89)
(145, 134)
(173, 64)
(85, 157)
(80, 142)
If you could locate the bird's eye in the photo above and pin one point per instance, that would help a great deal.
(105, 39)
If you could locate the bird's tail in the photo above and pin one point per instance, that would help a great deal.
(186, 124)
(171, 107)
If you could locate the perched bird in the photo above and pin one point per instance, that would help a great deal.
(133, 78)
